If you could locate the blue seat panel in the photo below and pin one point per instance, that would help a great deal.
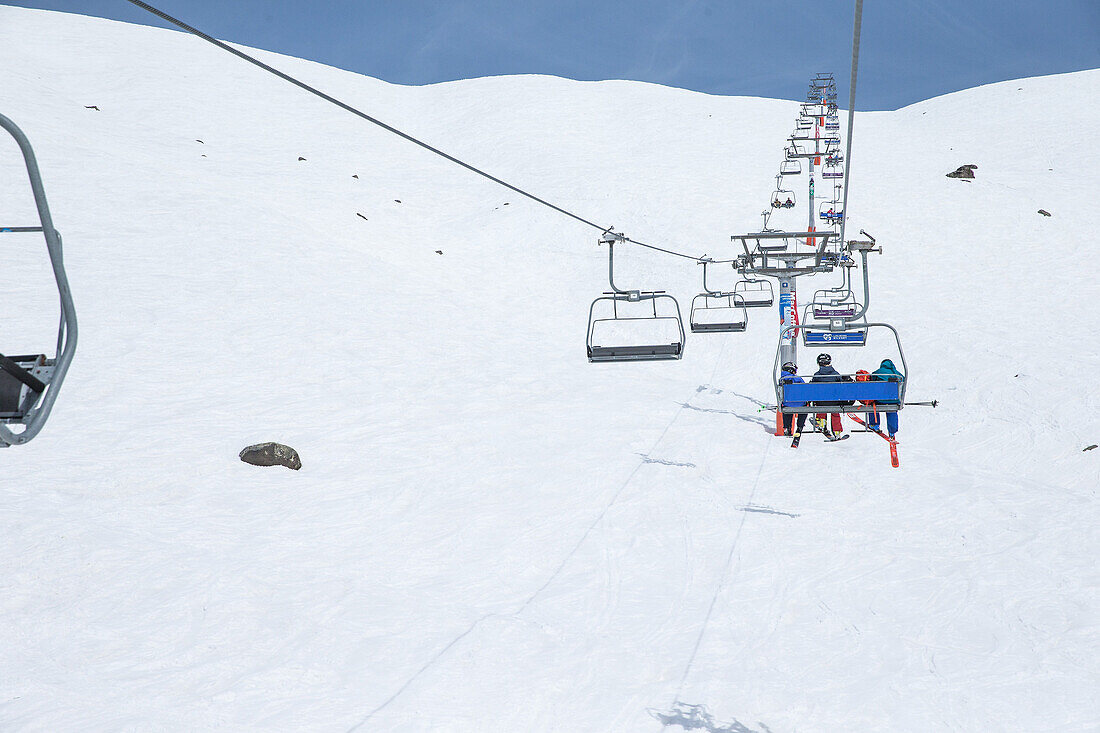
(838, 338)
(841, 392)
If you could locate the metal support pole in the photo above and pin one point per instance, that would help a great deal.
(788, 315)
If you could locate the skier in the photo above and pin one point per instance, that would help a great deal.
(886, 372)
(789, 376)
(826, 373)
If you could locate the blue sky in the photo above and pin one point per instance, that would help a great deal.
(911, 50)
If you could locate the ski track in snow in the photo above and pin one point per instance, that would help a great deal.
(489, 533)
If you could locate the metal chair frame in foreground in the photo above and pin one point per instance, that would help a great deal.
(29, 383)
(617, 296)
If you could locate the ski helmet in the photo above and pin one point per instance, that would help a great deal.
(824, 360)
(790, 367)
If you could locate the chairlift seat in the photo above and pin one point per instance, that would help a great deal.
(656, 352)
(824, 337)
(672, 349)
(755, 293)
(886, 396)
(729, 315)
(790, 168)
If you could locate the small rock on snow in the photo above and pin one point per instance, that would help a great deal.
(271, 454)
(963, 171)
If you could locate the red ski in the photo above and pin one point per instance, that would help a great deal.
(892, 441)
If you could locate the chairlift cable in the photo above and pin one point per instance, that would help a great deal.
(856, 26)
(343, 105)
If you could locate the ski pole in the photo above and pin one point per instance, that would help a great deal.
(931, 403)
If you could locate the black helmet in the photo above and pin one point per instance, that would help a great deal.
(790, 367)
(824, 360)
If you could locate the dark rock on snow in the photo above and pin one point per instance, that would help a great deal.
(1044, 212)
(963, 171)
(1091, 447)
(300, 158)
(271, 454)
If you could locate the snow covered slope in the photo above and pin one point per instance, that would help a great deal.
(488, 532)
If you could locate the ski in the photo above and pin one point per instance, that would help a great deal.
(824, 429)
(892, 441)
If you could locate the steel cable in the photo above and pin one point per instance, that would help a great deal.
(389, 128)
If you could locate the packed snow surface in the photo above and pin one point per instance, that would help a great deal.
(488, 532)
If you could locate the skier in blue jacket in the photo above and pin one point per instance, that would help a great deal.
(886, 372)
(790, 376)
(826, 373)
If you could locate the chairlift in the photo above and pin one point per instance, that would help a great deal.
(832, 123)
(843, 396)
(29, 383)
(834, 159)
(831, 212)
(621, 340)
(831, 303)
(790, 167)
(832, 170)
(715, 311)
(834, 332)
(782, 199)
(755, 293)
(803, 123)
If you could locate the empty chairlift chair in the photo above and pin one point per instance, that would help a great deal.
(755, 293)
(790, 167)
(626, 325)
(828, 304)
(29, 383)
(715, 311)
(782, 199)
